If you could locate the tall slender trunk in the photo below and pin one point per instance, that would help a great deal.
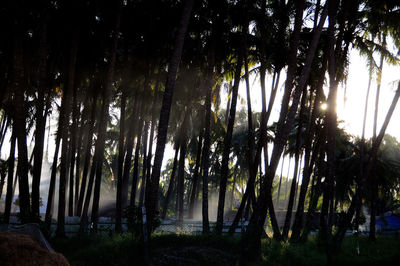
(316, 191)
(121, 153)
(52, 186)
(104, 117)
(87, 156)
(11, 164)
(227, 146)
(128, 156)
(3, 175)
(20, 119)
(181, 179)
(297, 165)
(85, 209)
(252, 238)
(150, 154)
(171, 183)
(249, 196)
(362, 148)
(181, 166)
(135, 174)
(152, 200)
(196, 180)
(310, 129)
(74, 129)
(331, 124)
(206, 151)
(331, 127)
(144, 167)
(80, 148)
(374, 182)
(287, 178)
(288, 218)
(4, 126)
(64, 135)
(280, 181)
(40, 124)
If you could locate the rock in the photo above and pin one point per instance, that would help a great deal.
(19, 249)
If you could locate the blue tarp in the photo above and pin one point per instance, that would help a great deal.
(389, 223)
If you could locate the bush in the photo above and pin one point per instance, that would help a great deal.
(134, 217)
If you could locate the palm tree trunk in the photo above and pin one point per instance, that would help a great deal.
(287, 178)
(181, 179)
(104, 117)
(362, 147)
(227, 146)
(74, 128)
(64, 135)
(331, 125)
(171, 183)
(181, 167)
(4, 126)
(196, 180)
(20, 122)
(136, 160)
(252, 238)
(310, 129)
(11, 164)
(151, 139)
(206, 151)
(144, 167)
(288, 218)
(128, 155)
(87, 156)
(40, 124)
(121, 153)
(316, 193)
(374, 185)
(52, 186)
(152, 199)
(251, 138)
(293, 189)
(280, 182)
(85, 210)
(79, 151)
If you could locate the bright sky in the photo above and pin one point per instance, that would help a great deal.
(352, 111)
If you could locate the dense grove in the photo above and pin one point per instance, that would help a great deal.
(116, 84)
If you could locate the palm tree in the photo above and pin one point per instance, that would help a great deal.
(20, 117)
(252, 237)
(64, 135)
(121, 153)
(10, 177)
(40, 122)
(152, 198)
(99, 151)
(171, 183)
(338, 238)
(196, 180)
(227, 145)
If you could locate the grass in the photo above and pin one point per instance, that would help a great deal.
(354, 251)
(172, 249)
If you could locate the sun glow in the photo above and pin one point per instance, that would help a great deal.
(324, 106)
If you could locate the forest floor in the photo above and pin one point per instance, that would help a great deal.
(174, 249)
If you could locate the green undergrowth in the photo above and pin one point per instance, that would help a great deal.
(180, 249)
(354, 251)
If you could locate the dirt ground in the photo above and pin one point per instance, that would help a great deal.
(18, 249)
